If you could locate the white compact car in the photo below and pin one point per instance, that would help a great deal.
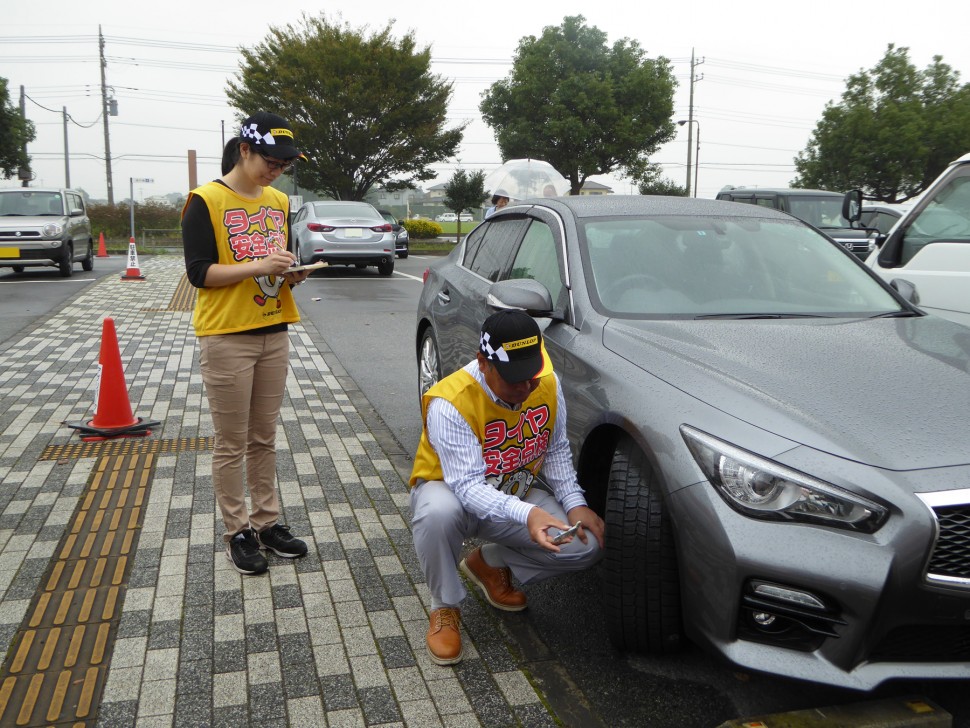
(930, 246)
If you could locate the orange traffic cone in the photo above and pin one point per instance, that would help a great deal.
(102, 253)
(112, 410)
(133, 273)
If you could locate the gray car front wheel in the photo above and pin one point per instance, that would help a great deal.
(66, 263)
(429, 363)
(641, 581)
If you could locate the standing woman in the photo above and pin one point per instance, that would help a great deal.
(236, 241)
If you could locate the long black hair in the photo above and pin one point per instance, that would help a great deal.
(230, 155)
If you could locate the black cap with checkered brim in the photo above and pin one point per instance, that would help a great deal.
(512, 342)
(270, 135)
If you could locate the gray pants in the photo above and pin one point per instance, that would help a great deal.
(439, 525)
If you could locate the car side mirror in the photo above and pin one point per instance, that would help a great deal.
(524, 294)
(852, 205)
(905, 289)
(77, 212)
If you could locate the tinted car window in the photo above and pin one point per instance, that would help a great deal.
(493, 251)
(537, 259)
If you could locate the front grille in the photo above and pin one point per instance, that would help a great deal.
(951, 554)
(922, 643)
(24, 234)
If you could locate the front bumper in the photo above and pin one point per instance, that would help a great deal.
(33, 253)
(882, 617)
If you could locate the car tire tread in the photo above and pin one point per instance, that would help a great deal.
(641, 577)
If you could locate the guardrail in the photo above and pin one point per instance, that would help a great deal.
(160, 240)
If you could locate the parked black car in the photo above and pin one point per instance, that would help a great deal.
(400, 233)
(820, 208)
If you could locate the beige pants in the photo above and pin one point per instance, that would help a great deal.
(245, 376)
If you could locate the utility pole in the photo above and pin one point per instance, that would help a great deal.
(67, 162)
(690, 115)
(105, 113)
(24, 172)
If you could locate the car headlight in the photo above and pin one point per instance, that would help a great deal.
(53, 229)
(761, 488)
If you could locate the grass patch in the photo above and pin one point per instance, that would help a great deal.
(425, 246)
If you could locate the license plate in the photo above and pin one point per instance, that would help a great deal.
(353, 233)
(9, 252)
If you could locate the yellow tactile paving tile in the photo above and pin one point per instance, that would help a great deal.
(77, 450)
(56, 669)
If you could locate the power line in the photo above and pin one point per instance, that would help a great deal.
(69, 117)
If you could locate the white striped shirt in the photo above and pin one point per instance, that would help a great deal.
(460, 453)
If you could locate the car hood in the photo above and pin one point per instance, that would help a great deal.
(891, 393)
(12, 222)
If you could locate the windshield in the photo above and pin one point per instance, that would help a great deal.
(945, 218)
(710, 266)
(822, 212)
(344, 209)
(28, 202)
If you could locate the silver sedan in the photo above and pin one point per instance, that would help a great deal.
(344, 233)
(777, 440)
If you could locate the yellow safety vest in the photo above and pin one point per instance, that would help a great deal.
(514, 442)
(246, 229)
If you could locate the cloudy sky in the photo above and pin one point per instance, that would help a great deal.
(766, 75)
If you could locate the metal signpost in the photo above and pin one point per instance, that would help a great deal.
(131, 199)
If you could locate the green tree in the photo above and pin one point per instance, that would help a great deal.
(463, 192)
(585, 107)
(18, 132)
(365, 109)
(894, 130)
(652, 182)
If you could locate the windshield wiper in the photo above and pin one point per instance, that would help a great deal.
(758, 315)
(896, 314)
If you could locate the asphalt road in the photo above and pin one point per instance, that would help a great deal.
(368, 322)
(27, 297)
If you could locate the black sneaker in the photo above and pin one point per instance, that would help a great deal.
(243, 551)
(278, 540)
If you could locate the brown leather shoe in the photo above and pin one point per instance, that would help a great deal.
(444, 636)
(496, 584)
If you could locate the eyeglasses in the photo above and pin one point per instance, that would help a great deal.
(276, 166)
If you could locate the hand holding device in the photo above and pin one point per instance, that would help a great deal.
(563, 535)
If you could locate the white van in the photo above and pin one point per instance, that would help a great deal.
(930, 246)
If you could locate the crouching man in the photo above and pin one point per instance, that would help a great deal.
(490, 429)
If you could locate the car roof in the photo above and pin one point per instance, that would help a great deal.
(783, 191)
(38, 189)
(638, 205)
(341, 202)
